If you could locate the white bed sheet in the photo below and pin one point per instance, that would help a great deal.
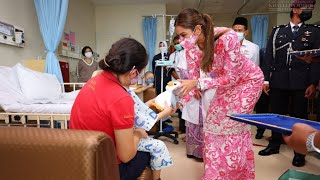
(38, 108)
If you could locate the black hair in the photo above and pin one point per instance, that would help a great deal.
(84, 50)
(291, 13)
(123, 56)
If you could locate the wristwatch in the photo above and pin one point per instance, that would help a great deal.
(310, 143)
(198, 86)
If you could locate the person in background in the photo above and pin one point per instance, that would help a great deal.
(225, 82)
(147, 83)
(251, 51)
(167, 71)
(288, 76)
(167, 74)
(178, 58)
(103, 104)
(303, 139)
(86, 66)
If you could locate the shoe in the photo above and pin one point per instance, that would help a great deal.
(169, 121)
(268, 151)
(298, 161)
(259, 135)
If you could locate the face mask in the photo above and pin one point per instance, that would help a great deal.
(88, 54)
(149, 81)
(163, 49)
(178, 47)
(305, 16)
(135, 79)
(240, 36)
(190, 42)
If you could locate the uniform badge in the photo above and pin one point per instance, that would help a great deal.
(305, 44)
(304, 39)
(307, 33)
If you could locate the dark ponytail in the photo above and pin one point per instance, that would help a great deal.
(190, 18)
(123, 55)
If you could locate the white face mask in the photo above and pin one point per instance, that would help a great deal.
(88, 54)
(240, 36)
(163, 49)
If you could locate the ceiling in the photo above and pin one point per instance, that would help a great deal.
(208, 6)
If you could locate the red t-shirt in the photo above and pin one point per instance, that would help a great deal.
(103, 105)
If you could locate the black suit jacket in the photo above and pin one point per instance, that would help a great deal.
(288, 72)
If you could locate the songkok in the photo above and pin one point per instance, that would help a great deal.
(241, 21)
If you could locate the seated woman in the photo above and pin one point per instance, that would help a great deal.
(104, 105)
(145, 118)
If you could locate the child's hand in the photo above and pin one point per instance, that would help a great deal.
(167, 109)
(150, 102)
(150, 85)
(141, 133)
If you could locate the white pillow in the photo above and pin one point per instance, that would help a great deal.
(10, 91)
(37, 85)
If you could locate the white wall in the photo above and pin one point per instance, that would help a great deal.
(117, 21)
(81, 20)
(21, 13)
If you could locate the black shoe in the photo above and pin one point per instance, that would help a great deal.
(259, 135)
(169, 121)
(298, 161)
(268, 151)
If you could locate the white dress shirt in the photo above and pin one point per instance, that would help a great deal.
(291, 24)
(179, 61)
(251, 51)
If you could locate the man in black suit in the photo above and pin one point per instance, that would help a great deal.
(288, 76)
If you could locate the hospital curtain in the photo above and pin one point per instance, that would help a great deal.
(149, 26)
(51, 18)
(259, 26)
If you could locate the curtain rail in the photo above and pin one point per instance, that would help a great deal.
(258, 13)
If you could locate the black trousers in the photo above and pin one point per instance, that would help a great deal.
(182, 122)
(279, 100)
(262, 106)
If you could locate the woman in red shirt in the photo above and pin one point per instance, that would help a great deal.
(104, 105)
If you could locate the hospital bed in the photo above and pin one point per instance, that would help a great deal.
(30, 98)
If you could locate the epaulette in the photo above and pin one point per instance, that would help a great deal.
(280, 26)
(313, 25)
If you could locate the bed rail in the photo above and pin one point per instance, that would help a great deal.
(60, 121)
(74, 85)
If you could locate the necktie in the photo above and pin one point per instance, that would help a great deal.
(295, 30)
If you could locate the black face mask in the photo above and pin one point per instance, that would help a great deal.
(305, 16)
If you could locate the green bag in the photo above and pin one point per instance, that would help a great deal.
(292, 174)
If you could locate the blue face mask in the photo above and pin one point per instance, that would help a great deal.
(240, 36)
(149, 81)
(178, 47)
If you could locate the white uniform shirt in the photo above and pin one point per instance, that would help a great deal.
(179, 61)
(251, 51)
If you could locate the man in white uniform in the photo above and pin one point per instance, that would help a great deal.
(249, 49)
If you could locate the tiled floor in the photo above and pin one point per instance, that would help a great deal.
(267, 168)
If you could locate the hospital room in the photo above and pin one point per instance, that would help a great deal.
(160, 89)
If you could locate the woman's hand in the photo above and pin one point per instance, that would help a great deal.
(198, 95)
(186, 86)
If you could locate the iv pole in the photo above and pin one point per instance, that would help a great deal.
(161, 133)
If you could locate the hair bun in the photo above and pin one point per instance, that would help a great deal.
(114, 57)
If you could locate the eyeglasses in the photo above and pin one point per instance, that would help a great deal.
(139, 76)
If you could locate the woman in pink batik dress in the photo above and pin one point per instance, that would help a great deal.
(216, 64)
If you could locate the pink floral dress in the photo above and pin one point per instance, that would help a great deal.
(228, 151)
